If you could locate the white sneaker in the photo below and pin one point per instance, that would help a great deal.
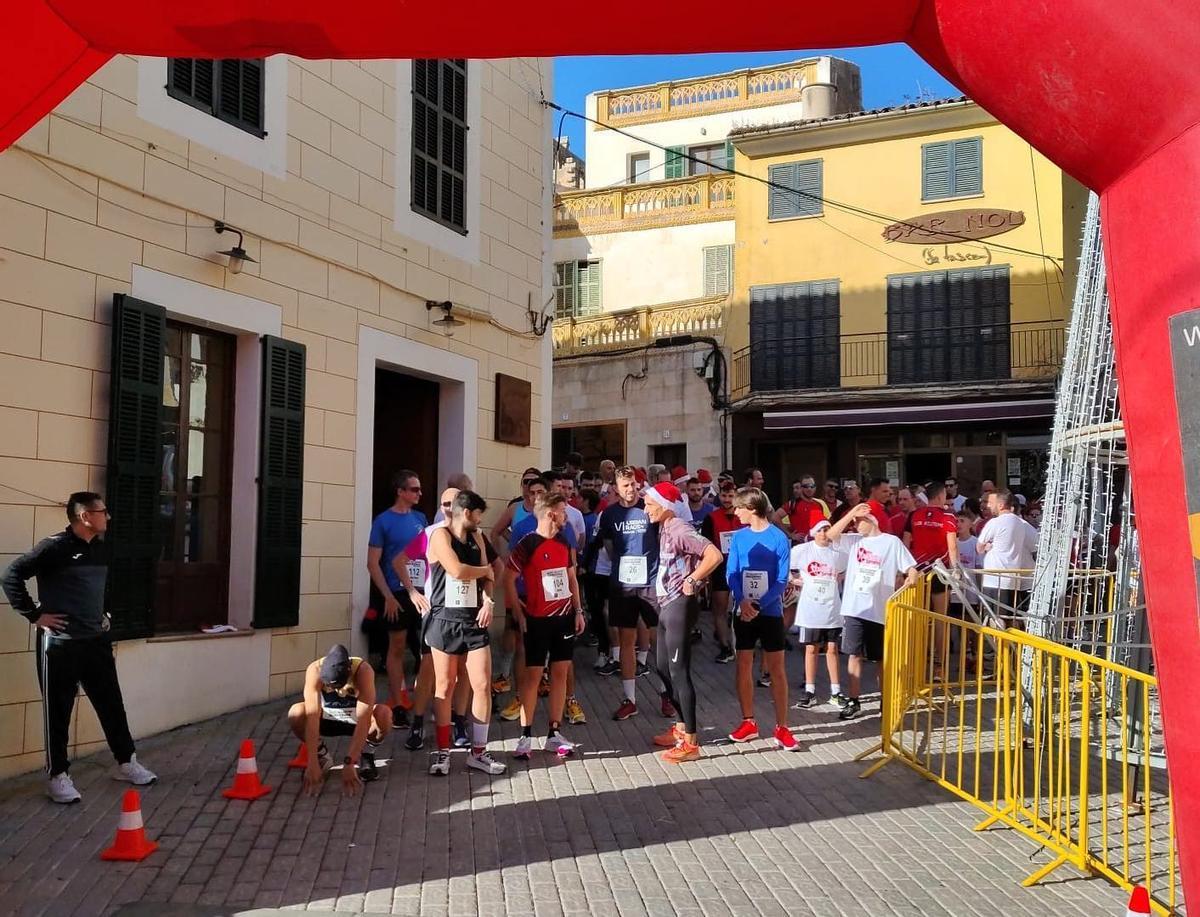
(523, 749)
(135, 773)
(60, 789)
(439, 763)
(486, 763)
(560, 745)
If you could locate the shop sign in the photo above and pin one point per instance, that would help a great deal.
(953, 226)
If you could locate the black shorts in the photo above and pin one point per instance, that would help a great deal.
(820, 636)
(717, 581)
(864, 638)
(550, 639)
(417, 634)
(624, 610)
(332, 728)
(764, 630)
(455, 635)
(407, 618)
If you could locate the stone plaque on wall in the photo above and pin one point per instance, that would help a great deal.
(514, 405)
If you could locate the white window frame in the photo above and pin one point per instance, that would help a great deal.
(631, 174)
(417, 226)
(267, 153)
(728, 273)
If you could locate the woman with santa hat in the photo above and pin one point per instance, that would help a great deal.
(685, 560)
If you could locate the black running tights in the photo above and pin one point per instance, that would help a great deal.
(676, 619)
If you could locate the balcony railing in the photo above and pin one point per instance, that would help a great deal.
(734, 91)
(697, 199)
(637, 327)
(979, 353)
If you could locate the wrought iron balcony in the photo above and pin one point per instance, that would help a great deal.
(637, 327)
(1021, 351)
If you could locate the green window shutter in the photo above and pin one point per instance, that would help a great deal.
(134, 463)
(729, 155)
(589, 288)
(280, 485)
(810, 184)
(718, 270)
(781, 203)
(676, 165)
(565, 289)
(968, 166)
(937, 175)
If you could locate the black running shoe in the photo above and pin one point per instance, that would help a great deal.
(696, 635)
(415, 740)
(852, 709)
(726, 655)
(367, 771)
(806, 699)
(642, 669)
(764, 680)
(612, 667)
(461, 738)
(399, 717)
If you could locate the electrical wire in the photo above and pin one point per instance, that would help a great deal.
(863, 212)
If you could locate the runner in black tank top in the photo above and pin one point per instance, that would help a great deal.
(457, 632)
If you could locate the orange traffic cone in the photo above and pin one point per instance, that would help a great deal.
(300, 762)
(1139, 902)
(131, 843)
(245, 783)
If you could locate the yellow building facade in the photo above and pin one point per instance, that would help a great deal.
(902, 279)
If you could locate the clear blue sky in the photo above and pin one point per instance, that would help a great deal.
(891, 75)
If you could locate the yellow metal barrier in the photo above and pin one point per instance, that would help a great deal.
(1043, 738)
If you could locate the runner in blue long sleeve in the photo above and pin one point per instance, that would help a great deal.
(757, 570)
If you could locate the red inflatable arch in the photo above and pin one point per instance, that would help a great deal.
(1105, 88)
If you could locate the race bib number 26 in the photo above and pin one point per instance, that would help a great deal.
(633, 571)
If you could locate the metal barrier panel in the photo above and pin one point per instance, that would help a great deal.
(1038, 735)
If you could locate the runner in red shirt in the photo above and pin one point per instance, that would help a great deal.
(931, 534)
(718, 527)
(551, 619)
(803, 511)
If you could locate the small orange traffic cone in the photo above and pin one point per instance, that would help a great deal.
(245, 783)
(300, 762)
(1139, 902)
(131, 843)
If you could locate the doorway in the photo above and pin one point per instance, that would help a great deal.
(672, 455)
(923, 467)
(406, 436)
(971, 469)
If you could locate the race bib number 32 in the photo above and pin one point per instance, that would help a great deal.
(754, 584)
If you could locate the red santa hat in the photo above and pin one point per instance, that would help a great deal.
(703, 475)
(639, 475)
(666, 495)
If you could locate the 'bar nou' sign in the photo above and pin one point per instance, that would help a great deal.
(953, 226)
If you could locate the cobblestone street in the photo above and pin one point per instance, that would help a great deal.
(748, 830)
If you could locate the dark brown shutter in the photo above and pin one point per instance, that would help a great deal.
(134, 463)
(280, 485)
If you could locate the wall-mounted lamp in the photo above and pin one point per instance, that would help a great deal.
(447, 322)
(237, 254)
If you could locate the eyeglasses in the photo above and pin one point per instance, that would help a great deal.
(103, 511)
(808, 486)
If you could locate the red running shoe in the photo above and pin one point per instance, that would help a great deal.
(668, 708)
(627, 709)
(785, 740)
(744, 733)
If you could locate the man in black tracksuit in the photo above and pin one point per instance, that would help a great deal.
(73, 645)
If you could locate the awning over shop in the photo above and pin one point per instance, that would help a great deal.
(967, 412)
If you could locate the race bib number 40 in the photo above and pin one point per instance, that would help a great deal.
(555, 585)
(820, 591)
(460, 593)
(754, 584)
(633, 571)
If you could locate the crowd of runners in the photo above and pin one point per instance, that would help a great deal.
(625, 559)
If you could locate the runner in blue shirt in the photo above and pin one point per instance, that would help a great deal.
(757, 571)
(394, 530)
